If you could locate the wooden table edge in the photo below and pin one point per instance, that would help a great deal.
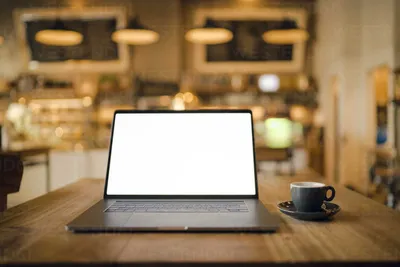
(196, 263)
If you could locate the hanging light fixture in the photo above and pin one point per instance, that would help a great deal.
(135, 34)
(59, 35)
(210, 33)
(287, 33)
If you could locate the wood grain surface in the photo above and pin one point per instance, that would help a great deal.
(363, 232)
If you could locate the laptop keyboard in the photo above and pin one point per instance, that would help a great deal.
(178, 206)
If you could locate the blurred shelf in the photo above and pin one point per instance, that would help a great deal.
(4, 95)
(49, 93)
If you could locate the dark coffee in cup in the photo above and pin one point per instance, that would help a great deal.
(309, 196)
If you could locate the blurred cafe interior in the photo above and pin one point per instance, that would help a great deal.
(321, 78)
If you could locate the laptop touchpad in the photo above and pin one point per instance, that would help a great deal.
(116, 219)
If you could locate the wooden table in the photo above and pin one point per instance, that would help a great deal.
(364, 231)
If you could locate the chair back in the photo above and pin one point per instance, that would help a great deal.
(11, 170)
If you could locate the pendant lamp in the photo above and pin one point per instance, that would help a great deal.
(210, 33)
(135, 34)
(59, 35)
(287, 33)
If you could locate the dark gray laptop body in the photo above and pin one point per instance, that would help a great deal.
(153, 213)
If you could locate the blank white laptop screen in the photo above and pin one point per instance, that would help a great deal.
(182, 154)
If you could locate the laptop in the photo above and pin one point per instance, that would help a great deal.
(180, 171)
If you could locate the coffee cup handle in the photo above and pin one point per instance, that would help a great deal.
(332, 194)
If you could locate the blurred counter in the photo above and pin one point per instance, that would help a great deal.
(68, 166)
(65, 167)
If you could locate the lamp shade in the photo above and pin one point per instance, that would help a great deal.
(210, 33)
(288, 33)
(59, 35)
(135, 34)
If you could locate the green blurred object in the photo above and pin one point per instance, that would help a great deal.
(278, 133)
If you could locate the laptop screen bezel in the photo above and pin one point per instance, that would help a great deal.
(106, 196)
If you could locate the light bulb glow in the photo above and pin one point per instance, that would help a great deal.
(188, 97)
(178, 104)
(209, 36)
(87, 101)
(268, 83)
(285, 36)
(135, 36)
(59, 37)
(298, 113)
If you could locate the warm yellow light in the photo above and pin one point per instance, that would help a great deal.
(87, 101)
(188, 97)
(302, 82)
(179, 95)
(209, 36)
(300, 114)
(135, 36)
(59, 132)
(285, 36)
(1, 40)
(297, 112)
(22, 100)
(178, 104)
(59, 37)
(87, 87)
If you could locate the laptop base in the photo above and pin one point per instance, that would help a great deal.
(257, 219)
